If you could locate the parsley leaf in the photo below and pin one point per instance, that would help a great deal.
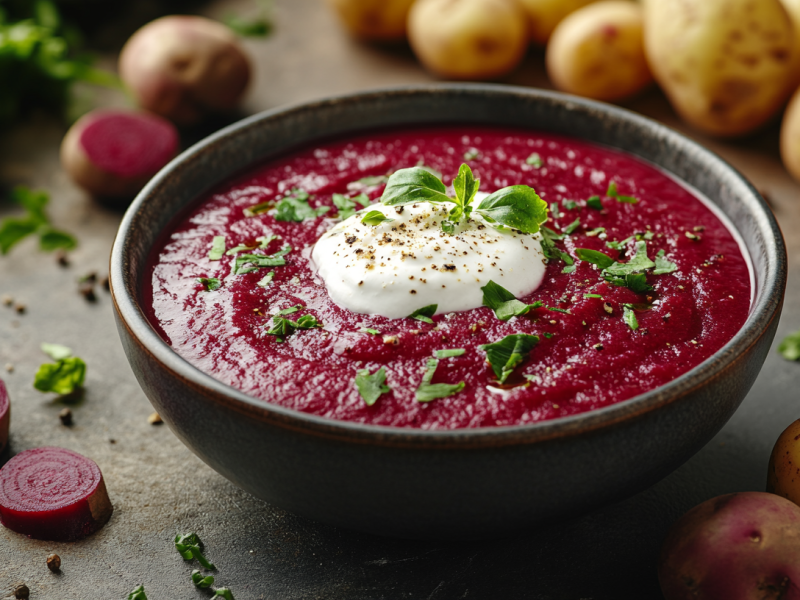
(570, 204)
(257, 209)
(14, 230)
(449, 352)
(428, 391)
(636, 282)
(638, 263)
(283, 327)
(594, 202)
(210, 283)
(612, 193)
(663, 265)
(62, 377)
(52, 239)
(425, 313)
(137, 594)
(266, 280)
(200, 581)
(374, 218)
(554, 210)
(570, 229)
(549, 247)
(217, 248)
(294, 207)
(504, 304)
(789, 348)
(592, 296)
(222, 593)
(371, 386)
(189, 546)
(506, 355)
(630, 317)
(534, 160)
(619, 246)
(258, 261)
(603, 261)
(260, 26)
(347, 206)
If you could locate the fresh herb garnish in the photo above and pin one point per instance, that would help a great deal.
(56, 351)
(425, 313)
(549, 248)
(570, 229)
(568, 269)
(370, 331)
(517, 206)
(266, 280)
(570, 204)
(603, 261)
(290, 311)
(283, 327)
(534, 160)
(347, 206)
(449, 352)
(138, 594)
(371, 386)
(506, 355)
(547, 335)
(189, 546)
(62, 377)
(594, 202)
(200, 581)
(35, 221)
(217, 248)
(595, 231)
(561, 310)
(374, 218)
(663, 265)
(619, 246)
(247, 263)
(630, 317)
(294, 207)
(638, 263)
(428, 391)
(257, 209)
(636, 282)
(592, 296)
(789, 347)
(612, 193)
(210, 283)
(504, 304)
(555, 210)
(223, 593)
(257, 26)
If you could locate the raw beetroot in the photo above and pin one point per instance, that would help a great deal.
(53, 494)
(742, 546)
(5, 415)
(113, 153)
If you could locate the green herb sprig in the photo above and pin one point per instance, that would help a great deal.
(35, 222)
(517, 207)
(190, 547)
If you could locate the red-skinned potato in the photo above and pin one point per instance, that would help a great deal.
(742, 546)
(184, 67)
(468, 39)
(113, 153)
(379, 20)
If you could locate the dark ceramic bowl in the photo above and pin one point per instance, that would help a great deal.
(443, 484)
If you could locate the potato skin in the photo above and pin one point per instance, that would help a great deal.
(783, 473)
(184, 67)
(468, 39)
(725, 65)
(378, 20)
(742, 546)
(544, 15)
(598, 52)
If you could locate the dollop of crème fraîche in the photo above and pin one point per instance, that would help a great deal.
(407, 262)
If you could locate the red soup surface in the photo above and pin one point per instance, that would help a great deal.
(588, 356)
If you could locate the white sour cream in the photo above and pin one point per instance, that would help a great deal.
(401, 265)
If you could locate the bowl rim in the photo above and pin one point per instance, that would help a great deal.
(764, 308)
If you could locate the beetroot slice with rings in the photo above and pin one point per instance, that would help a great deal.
(5, 415)
(53, 494)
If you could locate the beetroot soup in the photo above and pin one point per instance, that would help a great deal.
(311, 283)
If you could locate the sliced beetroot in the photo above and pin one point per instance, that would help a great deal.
(113, 153)
(5, 415)
(53, 494)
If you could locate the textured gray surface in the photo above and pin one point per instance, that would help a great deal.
(159, 488)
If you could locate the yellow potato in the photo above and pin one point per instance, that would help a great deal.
(598, 52)
(727, 66)
(544, 15)
(790, 137)
(783, 475)
(374, 19)
(468, 39)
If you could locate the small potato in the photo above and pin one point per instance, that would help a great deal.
(113, 153)
(184, 67)
(598, 52)
(742, 546)
(380, 20)
(783, 473)
(727, 66)
(544, 15)
(468, 39)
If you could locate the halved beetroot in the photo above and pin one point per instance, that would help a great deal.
(113, 153)
(5, 415)
(53, 494)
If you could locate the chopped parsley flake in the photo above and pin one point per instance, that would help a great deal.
(370, 331)
(283, 327)
(371, 386)
(639, 262)
(630, 317)
(789, 347)
(612, 193)
(266, 280)
(663, 265)
(507, 354)
(504, 304)
(425, 313)
(347, 206)
(217, 248)
(568, 269)
(257, 209)
(594, 202)
(62, 377)
(547, 335)
(428, 391)
(570, 204)
(294, 207)
(449, 352)
(246, 263)
(592, 296)
(555, 210)
(570, 229)
(561, 310)
(534, 160)
(210, 283)
(603, 261)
